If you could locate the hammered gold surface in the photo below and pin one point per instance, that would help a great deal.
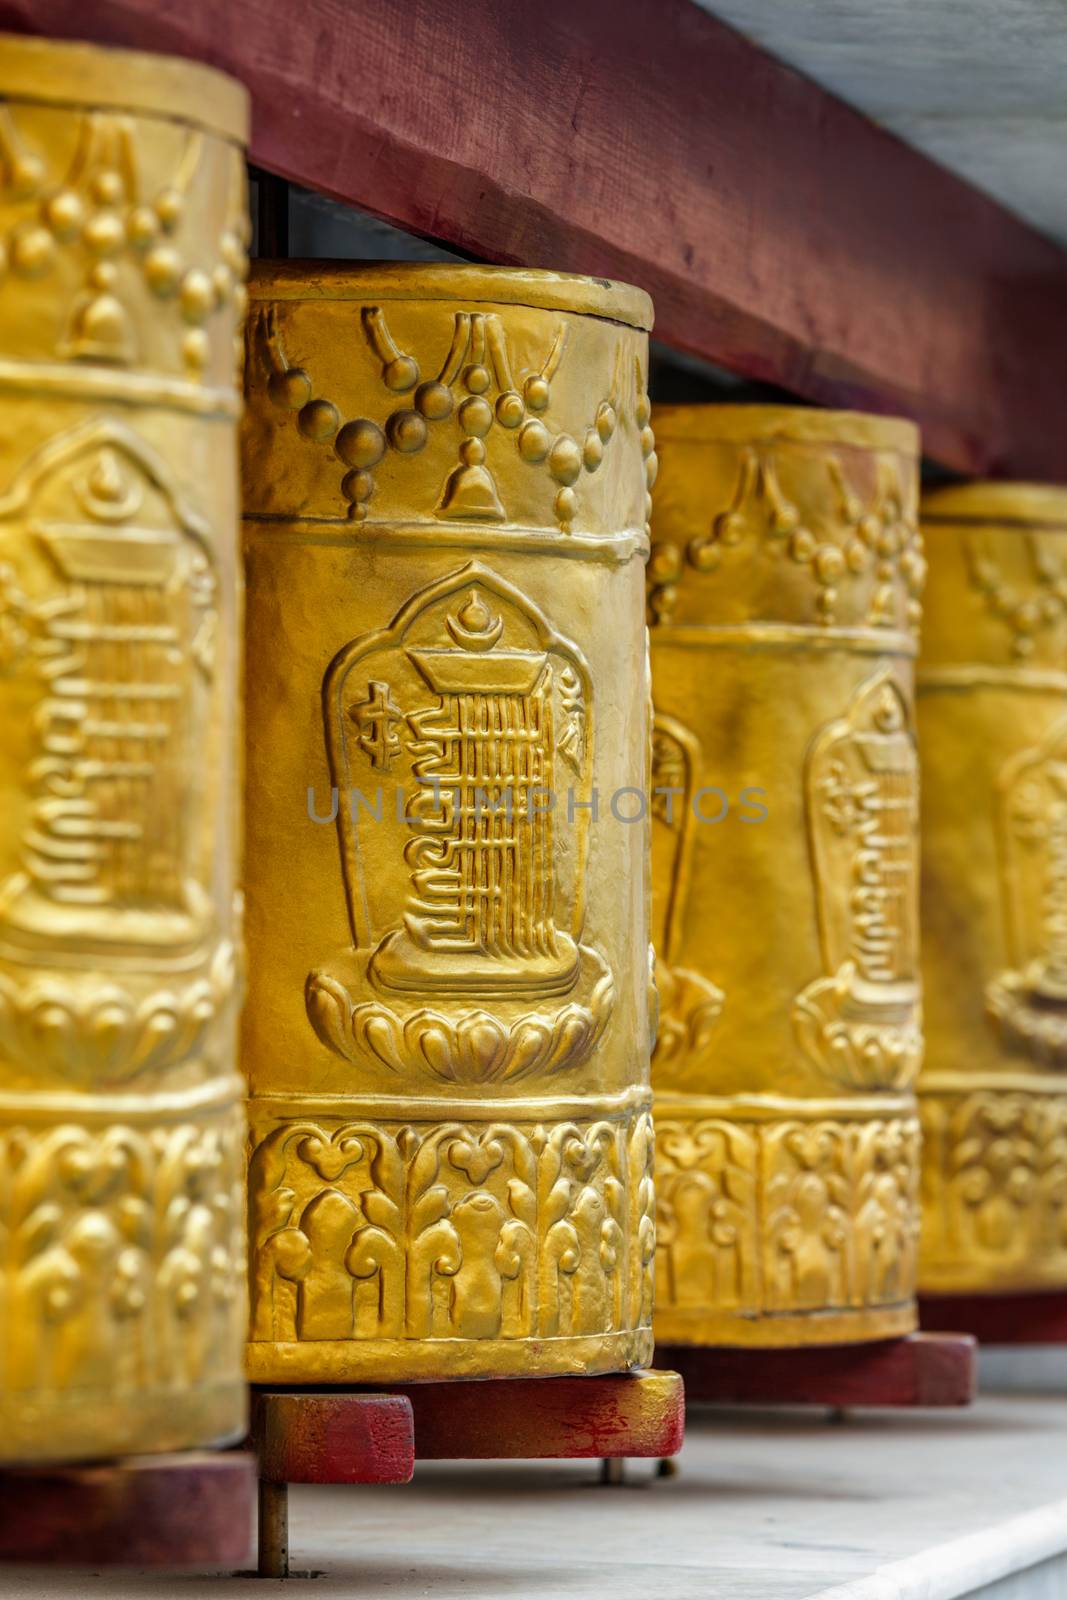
(783, 600)
(447, 1029)
(121, 1208)
(992, 688)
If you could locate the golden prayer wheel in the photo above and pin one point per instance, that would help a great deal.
(783, 598)
(122, 215)
(447, 1028)
(993, 718)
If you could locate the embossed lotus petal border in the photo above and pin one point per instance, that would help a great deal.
(1040, 1034)
(98, 1031)
(689, 1008)
(885, 1054)
(474, 1047)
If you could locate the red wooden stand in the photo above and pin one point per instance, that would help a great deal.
(999, 1318)
(624, 1414)
(924, 1369)
(352, 1436)
(187, 1510)
(322, 1436)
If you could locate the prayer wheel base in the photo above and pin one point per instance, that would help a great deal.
(785, 1222)
(90, 1426)
(924, 1369)
(349, 1362)
(429, 1291)
(346, 1436)
(1036, 1318)
(827, 1329)
(186, 1510)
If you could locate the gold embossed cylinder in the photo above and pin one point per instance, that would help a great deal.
(122, 215)
(992, 689)
(783, 600)
(447, 1030)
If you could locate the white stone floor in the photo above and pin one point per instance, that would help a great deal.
(767, 1506)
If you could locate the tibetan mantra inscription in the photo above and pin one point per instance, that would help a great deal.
(992, 701)
(784, 587)
(123, 222)
(447, 1028)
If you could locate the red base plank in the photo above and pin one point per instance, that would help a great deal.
(623, 1414)
(332, 1436)
(999, 1318)
(188, 1510)
(924, 1369)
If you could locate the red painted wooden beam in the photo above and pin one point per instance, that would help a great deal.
(779, 232)
(924, 1369)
